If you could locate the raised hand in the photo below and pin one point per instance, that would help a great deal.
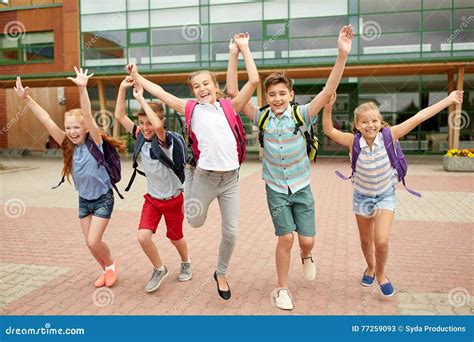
(137, 91)
(233, 48)
(127, 82)
(456, 97)
(21, 91)
(81, 77)
(344, 41)
(242, 40)
(132, 70)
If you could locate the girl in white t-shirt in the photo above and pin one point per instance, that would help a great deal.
(217, 169)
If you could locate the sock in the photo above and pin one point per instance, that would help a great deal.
(111, 267)
(189, 260)
(161, 268)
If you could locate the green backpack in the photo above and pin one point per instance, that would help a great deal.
(312, 142)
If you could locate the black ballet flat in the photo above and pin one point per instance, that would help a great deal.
(223, 294)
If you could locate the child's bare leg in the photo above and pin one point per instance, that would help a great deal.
(144, 238)
(366, 233)
(306, 245)
(85, 223)
(94, 239)
(383, 224)
(182, 248)
(283, 258)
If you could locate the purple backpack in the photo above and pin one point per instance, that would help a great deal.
(110, 159)
(394, 152)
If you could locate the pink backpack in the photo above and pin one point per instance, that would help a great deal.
(235, 124)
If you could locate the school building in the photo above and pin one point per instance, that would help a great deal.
(406, 55)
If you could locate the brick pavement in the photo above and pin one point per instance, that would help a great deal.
(45, 267)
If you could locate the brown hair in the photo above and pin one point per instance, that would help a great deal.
(157, 107)
(278, 77)
(220, 93)
(68, 146)
(367, 107)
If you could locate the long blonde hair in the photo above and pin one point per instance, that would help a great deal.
(367, 107)
(68, 146)
(219, 93)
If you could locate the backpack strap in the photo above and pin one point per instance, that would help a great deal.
(140, 140)
(163, 158)
(354, 155)
(235, 124)
(262, 122)
(391, 147)
(190, 137)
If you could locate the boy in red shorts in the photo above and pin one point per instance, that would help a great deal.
(164, 188)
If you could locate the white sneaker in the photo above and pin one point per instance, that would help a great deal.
(281, 299)
(309, 268)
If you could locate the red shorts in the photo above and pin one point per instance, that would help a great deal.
(171, 209)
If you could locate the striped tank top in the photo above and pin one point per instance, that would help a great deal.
(374, 174)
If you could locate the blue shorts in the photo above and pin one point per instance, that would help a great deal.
(364, 205)
(100, 207)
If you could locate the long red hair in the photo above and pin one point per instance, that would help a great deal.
(68, 146)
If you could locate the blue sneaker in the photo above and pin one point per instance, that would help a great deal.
(367, 280)
(387, 289)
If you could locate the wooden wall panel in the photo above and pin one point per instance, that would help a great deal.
(25, 130)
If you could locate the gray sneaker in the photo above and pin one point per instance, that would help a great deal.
(156, 279)
(186, 272)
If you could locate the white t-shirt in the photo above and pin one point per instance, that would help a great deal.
(162, 182)
(216, 141)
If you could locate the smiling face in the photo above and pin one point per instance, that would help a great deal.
(146, 127)
(74, 126)
(204, 87)
(278, 96)
(369, 123)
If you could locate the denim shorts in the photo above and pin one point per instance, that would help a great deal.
(364, 205)
(100, 207)
(292, 212)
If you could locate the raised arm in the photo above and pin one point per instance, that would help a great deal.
(120, 114)
(344, 43)
(81, 80)
(243, 97)
(150, 114)
(343, 138)
(157, 91)
(405, 127)
(232, 80)
(58, 134)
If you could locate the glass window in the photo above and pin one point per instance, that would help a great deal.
(377, 6)
(106, 57)
(276, 9)
(175, 54)
(104, 39)
(94, 6)
(138, 37)
(463, 19)
(313, 47)
(175, 17)
(8, 49)
(99, 22)
(393, 22)
(139, 55)
(437, 20)
(171, 4)
(276, 29)
(133, 5)
(317, 26)
(37, 46)
(462, 3)
(436, 4)
(138, 19)
(437, 41)
(236, 13)
(223, 32)
(172, 35)
(321, 8)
